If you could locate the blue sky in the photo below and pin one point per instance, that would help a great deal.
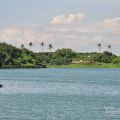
(77, 24)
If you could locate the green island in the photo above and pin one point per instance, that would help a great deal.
(12, 57)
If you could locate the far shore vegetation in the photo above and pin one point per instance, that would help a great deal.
(12, 57)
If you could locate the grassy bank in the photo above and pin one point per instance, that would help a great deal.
(97, 65)
(22, 66)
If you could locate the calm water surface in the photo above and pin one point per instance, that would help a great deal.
(60, 94)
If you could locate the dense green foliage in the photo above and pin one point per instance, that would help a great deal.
(14, 57)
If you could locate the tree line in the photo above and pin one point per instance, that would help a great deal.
(50, 46)
(11, 56)
(42, 44)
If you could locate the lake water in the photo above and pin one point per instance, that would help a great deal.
(60, 94)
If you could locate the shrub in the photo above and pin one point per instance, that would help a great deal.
(62, 61)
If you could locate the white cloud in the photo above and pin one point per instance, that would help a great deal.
(78, 36)
(17, 36)
(71, 18)
(113, 22)
(107, 26)
(94, 1)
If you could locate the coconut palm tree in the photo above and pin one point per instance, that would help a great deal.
(110, 48)
(30, 44)
(99, 47)
(50, 47)
(42, 44)
(22, 46)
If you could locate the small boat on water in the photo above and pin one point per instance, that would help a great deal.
(1, 85)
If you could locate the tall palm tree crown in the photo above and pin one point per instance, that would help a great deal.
(109, 47)
(50, 47)
(30, 44)
(22, 46)
(42, 45)
(99, 46)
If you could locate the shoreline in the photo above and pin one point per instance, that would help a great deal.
(23, 66)
(86, 66)
(98, 65)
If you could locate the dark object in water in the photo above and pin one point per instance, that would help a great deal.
(1, 85)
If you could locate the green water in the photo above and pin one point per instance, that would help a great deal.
(60, 94)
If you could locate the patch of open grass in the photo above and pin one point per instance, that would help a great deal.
(97, 65)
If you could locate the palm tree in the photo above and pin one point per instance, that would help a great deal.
(42, 45)
(110, 48)
(22, 46)
(99, 47)
(50, 47)
(30, 44)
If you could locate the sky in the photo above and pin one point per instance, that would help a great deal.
(76, 24)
